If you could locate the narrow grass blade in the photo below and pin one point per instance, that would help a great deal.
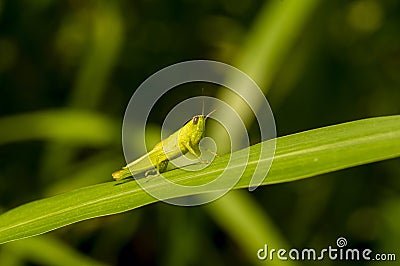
(298, 156)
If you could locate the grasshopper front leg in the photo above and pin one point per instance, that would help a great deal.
(192, 151)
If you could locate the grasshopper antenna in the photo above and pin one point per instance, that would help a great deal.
(207, 116)
(202, 108)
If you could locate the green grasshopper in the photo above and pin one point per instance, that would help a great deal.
(184, 140)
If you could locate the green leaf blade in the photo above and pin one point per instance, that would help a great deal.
(297, 156)
(335, 147)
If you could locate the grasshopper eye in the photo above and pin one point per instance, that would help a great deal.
(195, 120)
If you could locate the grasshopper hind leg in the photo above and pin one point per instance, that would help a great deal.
(161, 167)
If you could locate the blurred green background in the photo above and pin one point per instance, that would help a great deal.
(69, 68)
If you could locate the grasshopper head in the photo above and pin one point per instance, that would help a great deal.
(194, 130)
(197, 128)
